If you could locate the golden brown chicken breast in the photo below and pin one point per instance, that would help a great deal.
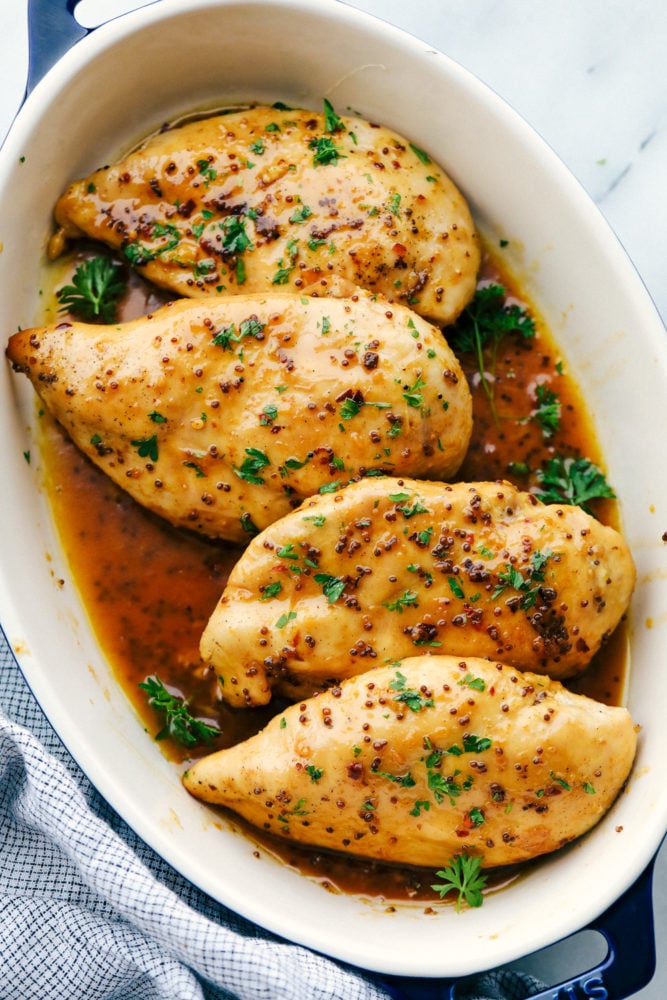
(266, 198)
(221, 416)
(389, 567)
(419, 761)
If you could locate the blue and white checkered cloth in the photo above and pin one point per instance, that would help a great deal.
(89, 912)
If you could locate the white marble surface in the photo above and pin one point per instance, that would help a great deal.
(590, 76)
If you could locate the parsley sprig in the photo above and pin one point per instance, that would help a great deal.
(483, 324)
(573, 480)
(97, 286)
(463, 876)
(180, 725)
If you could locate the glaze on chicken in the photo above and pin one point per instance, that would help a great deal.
(267, 198)
(428, 758)
(388, 568)
(222, 416)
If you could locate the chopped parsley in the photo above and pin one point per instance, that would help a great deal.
(281, 277)
(226, 336)
(270, 590)
(300, 214)
(408, 599)
(548, 410)
(268, 415)
(413, 396)
(529, 585)
(332, 123)
(248, 525)
(287, 551)
(252, 465)
(420, 154)
(330, 487)
(317, 519)
(325, 151)
(417, 507)
(147, 447)
(476, 816)
(332, 586)
(415, 700)
(471, 744)
(197, 469)
(470, 681)
(207, 171)
(286, 619)
(404, 780)
(235, 240)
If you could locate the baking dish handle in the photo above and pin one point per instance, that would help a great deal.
(52, 30)
(627, 927)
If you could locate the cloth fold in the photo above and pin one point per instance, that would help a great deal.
(89, 912)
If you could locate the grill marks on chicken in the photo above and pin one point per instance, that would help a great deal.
(260, 198)
(428, 758)
(222, 416)
(388, 568)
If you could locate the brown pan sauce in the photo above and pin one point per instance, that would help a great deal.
(149, 589)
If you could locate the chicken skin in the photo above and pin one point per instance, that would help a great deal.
(266, 197)
(387, 566)
(222, 416)
(425, 759)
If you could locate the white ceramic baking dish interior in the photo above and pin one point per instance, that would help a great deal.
(120, 83)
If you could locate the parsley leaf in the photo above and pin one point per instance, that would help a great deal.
(285, 619)
(332, 123)
(252, 465)
(270, 590)
(179, 724)
(470, 681)
(325, 151)
(97, 285)
(332, 586)
(573, 480)
(528, 585)
(408, 599)
(415, 700)
(300, 214)
(147, 447)
(548, 411)
(464, 876)
(412, 396)
(420, 154)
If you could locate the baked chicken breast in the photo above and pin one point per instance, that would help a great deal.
(222, 416)
(422, 760)
(387, 568)
(270, 197)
